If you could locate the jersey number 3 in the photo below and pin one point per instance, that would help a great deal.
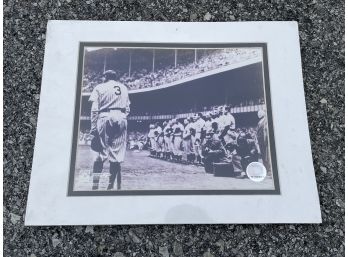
(117, 90)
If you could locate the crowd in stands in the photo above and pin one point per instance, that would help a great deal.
(90, 80)
(145, 78)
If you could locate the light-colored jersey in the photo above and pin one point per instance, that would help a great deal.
(111, 94)
(207, 125)
(228, 120)
(158, 129)
(151, 133)
(187, 129)
(176, 127)
(166, 129)
(230, 137)
(217, 120)
(198, 125)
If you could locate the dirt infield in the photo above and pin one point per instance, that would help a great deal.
(141, 172)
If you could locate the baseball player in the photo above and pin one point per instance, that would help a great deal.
(215, 123)
(207, 123)
(228, 119)
(220, 118)
(110, 107)
(198, 125)
(227, 122)
(167, 139)
(247, 150)
(151, 137)
(213, 151)
(166, 125)
(262, 140)
(188, 136)
(178, 129)
(158, 140)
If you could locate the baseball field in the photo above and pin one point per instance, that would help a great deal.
(141, 172)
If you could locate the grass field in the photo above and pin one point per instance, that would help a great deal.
(141, 172)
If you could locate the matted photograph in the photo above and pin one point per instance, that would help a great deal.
(161, 119)
(171, 125)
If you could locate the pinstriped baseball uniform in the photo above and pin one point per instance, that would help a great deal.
(198, 125)
(178, 128)
(159, 140)
(227, 120)
(168, 146)
(111, 124)
(188, 139)
(151, 136)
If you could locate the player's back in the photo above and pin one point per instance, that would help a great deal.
(112, 94)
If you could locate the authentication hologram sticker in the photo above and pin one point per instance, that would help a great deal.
(256, 171)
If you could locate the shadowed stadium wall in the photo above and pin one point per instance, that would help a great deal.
(241, 88)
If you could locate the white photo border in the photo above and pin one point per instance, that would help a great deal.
(48, 203)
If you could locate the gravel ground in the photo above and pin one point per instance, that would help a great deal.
(321, 31)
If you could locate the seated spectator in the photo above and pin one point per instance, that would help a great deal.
(213, 151)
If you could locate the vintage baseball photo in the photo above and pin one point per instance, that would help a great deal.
(173, 119)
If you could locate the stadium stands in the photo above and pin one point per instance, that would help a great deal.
(145, 77)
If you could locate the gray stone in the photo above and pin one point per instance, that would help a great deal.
(221, 244)
(177, 249)
(207, 16)
(134, 237)
(119, 254)
(323, 101)
(193, 16)
(89, 229)
(139, 230)
(14, 218)
(257, 231)
(208, 254)
(163, 250)
(55, 242)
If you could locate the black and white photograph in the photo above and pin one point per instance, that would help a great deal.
(173, 119)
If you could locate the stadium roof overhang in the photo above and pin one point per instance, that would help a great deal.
(200, 75)
(236, 87)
